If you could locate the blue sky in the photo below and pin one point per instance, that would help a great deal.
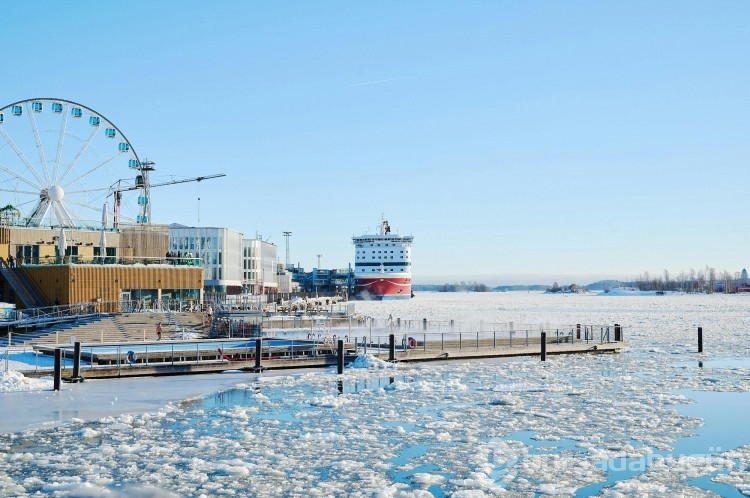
(517, 141)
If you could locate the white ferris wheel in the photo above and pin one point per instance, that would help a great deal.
(60, 161)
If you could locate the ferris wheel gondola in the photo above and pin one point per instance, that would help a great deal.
(58, 160)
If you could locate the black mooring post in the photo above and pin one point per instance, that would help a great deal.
(578, 331)
(618, 332)
(340, 359)
(76, 363)
(544, 346)
(258, 353)
(58, 369)
(700, 339)
(391, 348)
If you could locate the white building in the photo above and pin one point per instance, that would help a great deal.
(218, 249)
(259, 273)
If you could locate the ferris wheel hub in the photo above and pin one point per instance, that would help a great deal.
(55, 193)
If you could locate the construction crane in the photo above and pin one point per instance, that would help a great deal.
(116, 190)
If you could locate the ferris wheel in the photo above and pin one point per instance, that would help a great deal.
(59, 163)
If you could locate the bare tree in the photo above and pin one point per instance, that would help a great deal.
(711, 280)
(727, 278)
(692, 280)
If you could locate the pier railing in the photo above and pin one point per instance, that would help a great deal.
(292, 344)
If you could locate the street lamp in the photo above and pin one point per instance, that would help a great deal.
(287, 235)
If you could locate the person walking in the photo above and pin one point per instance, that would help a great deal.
(158, 331)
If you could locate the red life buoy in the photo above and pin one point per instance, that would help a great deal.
(412, 343)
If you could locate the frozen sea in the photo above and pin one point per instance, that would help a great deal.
(658, 419)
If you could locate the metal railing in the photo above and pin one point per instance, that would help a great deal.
(322, 343)
(107, 260)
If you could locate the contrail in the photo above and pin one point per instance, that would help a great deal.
(375, 82)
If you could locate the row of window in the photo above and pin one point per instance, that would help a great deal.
(365, 257)
(385, 263)
(399, 241)
(377, 270)
(379, 252)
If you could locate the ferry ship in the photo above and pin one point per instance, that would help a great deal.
(382, 265)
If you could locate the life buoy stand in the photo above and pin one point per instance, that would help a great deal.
(131, 357)
(412, 343)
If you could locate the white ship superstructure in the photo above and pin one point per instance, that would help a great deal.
(382, 265)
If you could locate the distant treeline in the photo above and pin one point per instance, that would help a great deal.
(706, 280)
(456, 287)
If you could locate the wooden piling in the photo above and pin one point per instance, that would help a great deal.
(58, 369)
(578, 331)
(700, 339)
(340, 359)
(392, 348)
(618, 333)
(544, 346)
(76, 363)
(258, 355)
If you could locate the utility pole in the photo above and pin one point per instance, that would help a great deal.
(287, 235)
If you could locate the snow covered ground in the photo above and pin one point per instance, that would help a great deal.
(651, 421)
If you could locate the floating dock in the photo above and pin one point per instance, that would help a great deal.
(206, 356)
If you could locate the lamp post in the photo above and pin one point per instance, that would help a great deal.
(287, 235)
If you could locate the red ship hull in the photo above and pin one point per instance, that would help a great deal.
(382, 288)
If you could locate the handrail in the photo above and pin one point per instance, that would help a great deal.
(109, 260)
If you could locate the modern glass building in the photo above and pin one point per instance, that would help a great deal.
(218, 250)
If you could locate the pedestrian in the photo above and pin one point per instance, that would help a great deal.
(158, 331)
(11, 262)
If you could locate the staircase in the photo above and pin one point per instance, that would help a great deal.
(19, 284)
(125, 327)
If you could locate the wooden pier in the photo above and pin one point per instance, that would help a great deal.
(210, 356)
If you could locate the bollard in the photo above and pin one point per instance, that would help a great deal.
(700, 339)
(544, 346)
(618, 333)
(424, 323)
(578, 330)
(258, 352)
(76, 363)
(340, 359)
(58, 369)
(392, 348)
